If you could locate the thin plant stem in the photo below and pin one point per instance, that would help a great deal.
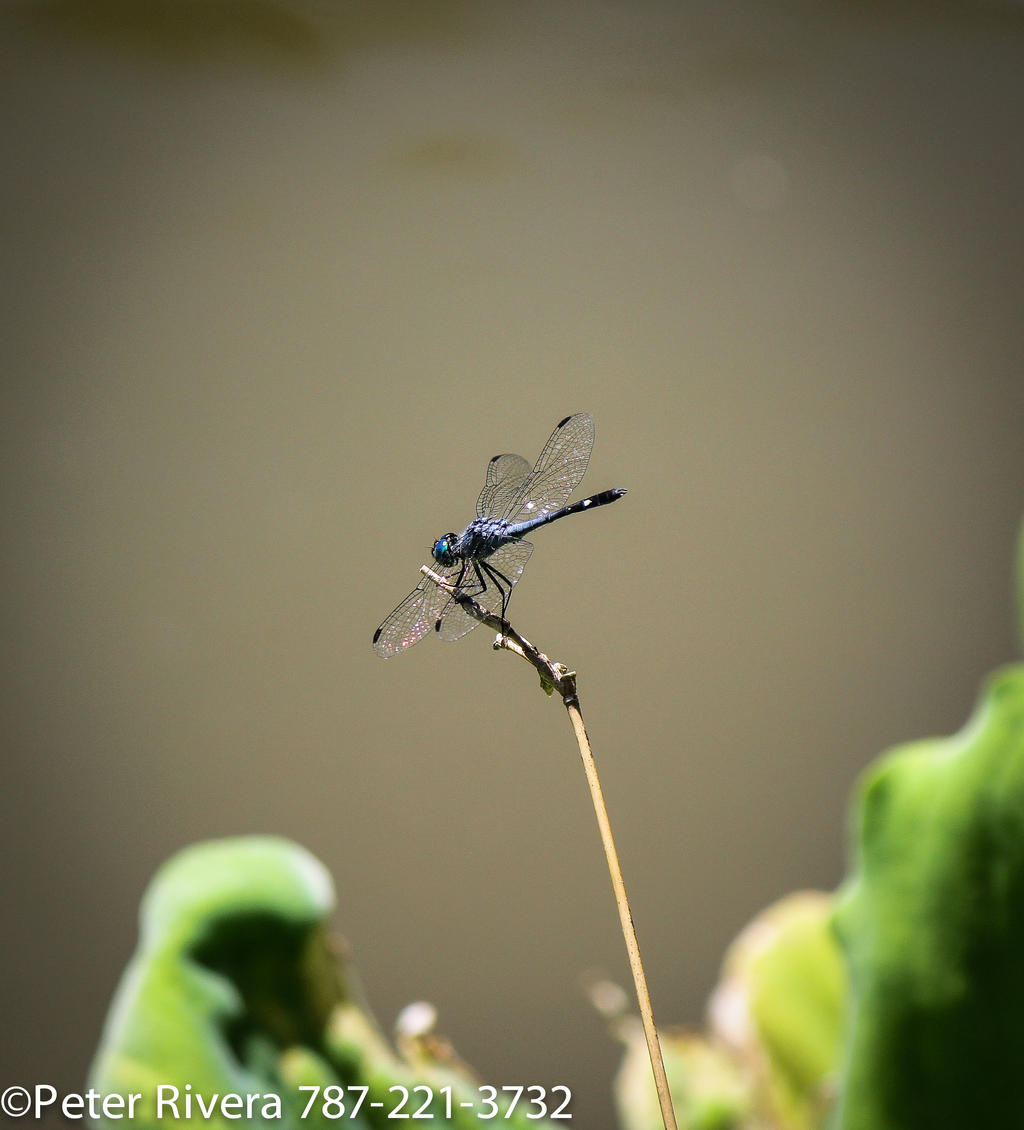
(556, 677)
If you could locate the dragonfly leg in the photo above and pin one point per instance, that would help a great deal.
(496, 579)
(451, 600)
(480, 578)
(501, 583)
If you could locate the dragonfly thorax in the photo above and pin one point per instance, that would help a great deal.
(444, 551)
(481, 538)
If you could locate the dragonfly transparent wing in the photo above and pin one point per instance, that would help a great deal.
(557, 472)
(415, 616)
(506, 475)
(508, 562)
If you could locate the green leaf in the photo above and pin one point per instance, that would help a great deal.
(236, 989)
(780, 1008)
(932, 922)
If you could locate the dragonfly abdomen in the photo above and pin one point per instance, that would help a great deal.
(518, 529)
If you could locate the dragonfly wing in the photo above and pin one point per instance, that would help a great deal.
(413, 618)
(508, 563)
(557, 472)
(506, 475)
(455, 622)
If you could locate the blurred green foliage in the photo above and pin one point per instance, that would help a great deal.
(769, 1057)
(932, 923)
(235, 988)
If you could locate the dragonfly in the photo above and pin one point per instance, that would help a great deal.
(487, 559)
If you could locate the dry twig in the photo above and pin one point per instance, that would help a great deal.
(555, 677)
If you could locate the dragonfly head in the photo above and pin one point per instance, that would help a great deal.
(444, 551)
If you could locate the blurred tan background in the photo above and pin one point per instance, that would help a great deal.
(278, 282)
